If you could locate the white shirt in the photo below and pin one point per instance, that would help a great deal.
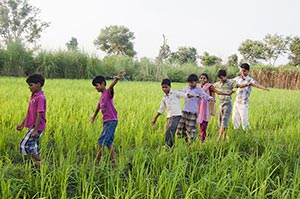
(243, 94)
(171, 103)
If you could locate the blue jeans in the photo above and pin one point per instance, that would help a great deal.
(108, 133)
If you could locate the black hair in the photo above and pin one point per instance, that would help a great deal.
(166, 82)
(36, 78)
(204, 74)
(245, 66)
(192, 78)
(222, 73)
(99, 80)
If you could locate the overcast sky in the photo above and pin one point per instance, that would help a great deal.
(215, 26)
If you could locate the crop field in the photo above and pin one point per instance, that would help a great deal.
(261, 163)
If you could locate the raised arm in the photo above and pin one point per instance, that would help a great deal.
(116, 79)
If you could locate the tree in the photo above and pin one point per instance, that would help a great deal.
(276, 45)
(252, 51)
(116, 40)
(184, 55)
(232, 60)
(19, 21)
(210, 60)
(163, 56)
(72, 45)
(294, 56)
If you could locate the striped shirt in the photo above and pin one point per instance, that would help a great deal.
(243, 94)
(225, 87)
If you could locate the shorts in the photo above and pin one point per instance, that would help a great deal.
(224, 115)
(187, 122)
(108, 133)
(30, 144)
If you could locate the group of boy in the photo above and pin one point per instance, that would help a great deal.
(182, 122)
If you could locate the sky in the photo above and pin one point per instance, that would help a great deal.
(215, 26)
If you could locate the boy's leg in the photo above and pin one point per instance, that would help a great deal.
(191, 122)
(171, 130)
(112, 154)
(99, 154)
(181, 130)
(226, 110)
(244, 114)
(236, 117)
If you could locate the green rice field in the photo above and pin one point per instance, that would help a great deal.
(261, 163)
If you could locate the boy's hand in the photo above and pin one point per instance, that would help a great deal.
(189, 95)
(153, 122)
(231, 92)
(34, 133)
(92, 119)
(20, 127)
(121, 74)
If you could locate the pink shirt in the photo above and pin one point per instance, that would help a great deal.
(106, 104)
(36, 105)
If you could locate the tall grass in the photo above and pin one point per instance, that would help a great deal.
(262, 163)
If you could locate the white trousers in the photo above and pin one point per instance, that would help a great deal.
(240, 115)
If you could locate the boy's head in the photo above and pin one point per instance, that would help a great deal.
(222, 75)
(244, 69)
(99, 83)
(166, 85)
(193, 79)
(203, 78)
(35, 82)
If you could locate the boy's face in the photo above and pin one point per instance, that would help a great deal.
(192, 84)
(34, 87)
(222, 78)
(165, 88)
(244, 72)
(100, 87)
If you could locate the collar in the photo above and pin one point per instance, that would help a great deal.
(38, 93)
(170, 92)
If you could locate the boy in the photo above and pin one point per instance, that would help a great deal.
(171, 103)
(225, 105)
(244, 84)
(109, 114)
(35, 119)
(187, 123)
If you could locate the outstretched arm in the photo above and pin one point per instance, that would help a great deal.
(260, 86)
(116, 79)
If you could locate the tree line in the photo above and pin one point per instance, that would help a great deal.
(20, 54)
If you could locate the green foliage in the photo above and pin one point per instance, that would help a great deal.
(210, 60)
(184, 55)
(116, 40)
(19, 21)
(276, 45)
(294, 56)
(72, 44)
(232, 61)
(16, 59)
(252, 51)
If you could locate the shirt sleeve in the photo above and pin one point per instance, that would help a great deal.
(181, 94)
(162, 107)
(41, 104)
(203, 94)
(252, 81)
